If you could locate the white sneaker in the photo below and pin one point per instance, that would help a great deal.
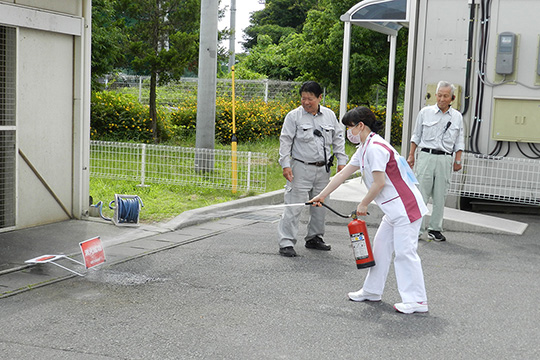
(412, 307)
(362, 295)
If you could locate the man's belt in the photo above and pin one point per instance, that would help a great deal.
(317, 163)
(435, 151)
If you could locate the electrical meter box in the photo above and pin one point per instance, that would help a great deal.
(431, 96)
(507, 58)
(506, 51)
(516, 119)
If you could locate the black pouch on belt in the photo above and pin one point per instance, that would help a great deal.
(330, 163)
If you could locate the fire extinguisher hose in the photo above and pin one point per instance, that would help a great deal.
(352, 215)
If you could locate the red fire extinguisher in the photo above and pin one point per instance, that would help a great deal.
(359, 238)
(360, 243)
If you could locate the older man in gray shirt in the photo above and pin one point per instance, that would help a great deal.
(309, 135)
(439, 134)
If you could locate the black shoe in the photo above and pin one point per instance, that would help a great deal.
(436, 235)
(287, 251)
(318, 244)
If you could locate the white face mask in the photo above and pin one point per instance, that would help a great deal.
(355, 139)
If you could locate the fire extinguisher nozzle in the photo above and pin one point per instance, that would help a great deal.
(354, 215)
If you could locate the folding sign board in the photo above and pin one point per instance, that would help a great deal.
(92, 251)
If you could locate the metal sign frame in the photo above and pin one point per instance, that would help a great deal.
(92, 252)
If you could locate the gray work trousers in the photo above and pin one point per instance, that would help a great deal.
(308, 181)
(434, 173)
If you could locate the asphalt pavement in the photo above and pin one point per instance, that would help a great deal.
(211, 284)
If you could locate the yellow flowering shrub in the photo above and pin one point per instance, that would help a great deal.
(254, 119)
(119, 117)
(397, 125)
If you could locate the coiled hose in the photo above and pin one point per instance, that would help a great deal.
(126, 209)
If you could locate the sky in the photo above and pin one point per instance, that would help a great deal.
(244, 8)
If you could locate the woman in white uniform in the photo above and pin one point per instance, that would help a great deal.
(391, 184)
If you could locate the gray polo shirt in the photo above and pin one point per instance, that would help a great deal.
(298, 141)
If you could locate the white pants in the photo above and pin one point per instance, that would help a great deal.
(403, 240)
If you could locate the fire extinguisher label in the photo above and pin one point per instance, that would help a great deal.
(359, 246)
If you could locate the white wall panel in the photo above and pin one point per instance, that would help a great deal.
(71, 7)
(44, 123)
(36, 18)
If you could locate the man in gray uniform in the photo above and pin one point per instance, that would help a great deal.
(438, 132)
(309, 135)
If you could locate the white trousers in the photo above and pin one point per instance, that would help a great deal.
(403, 241)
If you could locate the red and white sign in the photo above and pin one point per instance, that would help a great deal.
(92, 252)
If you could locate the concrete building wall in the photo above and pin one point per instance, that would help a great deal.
(521, 18)
(439, 38)
(442, 46)
(44, 124)
(52, 108)
(70, 7)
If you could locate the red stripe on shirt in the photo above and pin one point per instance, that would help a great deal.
(405, 193)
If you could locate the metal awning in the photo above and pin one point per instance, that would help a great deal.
(386, 17)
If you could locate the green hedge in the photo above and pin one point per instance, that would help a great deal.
(397, 125)
(119, 117)
(254, 119)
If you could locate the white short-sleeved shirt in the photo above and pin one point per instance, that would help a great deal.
(439, 130)
(400, 199)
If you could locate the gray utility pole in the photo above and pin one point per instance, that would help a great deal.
(206, 93)
(232, 40)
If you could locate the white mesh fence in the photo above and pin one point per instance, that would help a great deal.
(169, 94)
(218, 169)
(498, 178)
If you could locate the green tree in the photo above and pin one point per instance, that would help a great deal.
(269, 60)
(162, 41)
(279, 18)
(107, 39)
(274, 32)
(315, 52)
